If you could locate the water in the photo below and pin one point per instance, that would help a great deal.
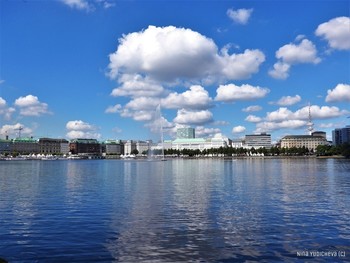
(175, 211)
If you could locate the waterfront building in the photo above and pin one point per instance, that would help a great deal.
(191, 144)
(341, 135)
(309, 141)
(237, 143)
(143, 146)
(24, 145)
(53, 146)
(185, 133)
(167, 144)
(5, 146)
(262, 140)
(199, 143)
(113, 147)
(85, 146)
(129, 147)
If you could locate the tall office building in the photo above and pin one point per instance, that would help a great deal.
(185, 133)
(258, 140)
(341, 135)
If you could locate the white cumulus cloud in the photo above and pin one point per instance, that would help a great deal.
(171, 53)
(239, 16)
(79, 125)
(195, 98)
(232, 92)
(288, 100)
(151, 65)
(143, 103)
(320, 112)
(113, 109)
(238, 129)
(292, 54)
(305, 52)
(12, 130)
(340, 93)
(269, 126)
(88, 5)
(337, 32)
(5, 110)
(283, 118)
(317, 112)
(80, 129)
(83, 135)
(134, 85)
(78, 4)
(202, 131)
(188, 117)
(280, 70)
(253, 118)
(252, 108)
(31, 106)
(280, 115)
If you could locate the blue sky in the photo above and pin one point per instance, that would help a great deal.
(99, 68)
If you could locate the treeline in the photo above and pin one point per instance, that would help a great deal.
(328, 150)
(321, 150)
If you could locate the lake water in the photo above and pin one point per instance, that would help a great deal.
(175, 211)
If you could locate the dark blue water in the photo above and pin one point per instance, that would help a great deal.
(176, 211)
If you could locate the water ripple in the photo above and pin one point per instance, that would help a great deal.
(181, 210)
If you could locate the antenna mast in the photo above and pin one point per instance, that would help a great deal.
(19, 129)
(310, 124)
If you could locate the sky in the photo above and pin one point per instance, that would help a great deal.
(110, 69)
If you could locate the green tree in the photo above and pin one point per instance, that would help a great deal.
(345, 150)
(135, 152)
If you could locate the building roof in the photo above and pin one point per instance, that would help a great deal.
(52, 140)
(25, 139)
(191, 140)
(112, 142)
(87, 141)
(302, 137)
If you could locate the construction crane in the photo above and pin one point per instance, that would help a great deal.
(19, 129)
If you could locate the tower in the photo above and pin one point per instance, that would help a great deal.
(310, 124)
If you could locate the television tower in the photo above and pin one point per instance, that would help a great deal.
(19, 129)
(310, 124)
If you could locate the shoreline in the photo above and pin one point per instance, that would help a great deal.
(182, 157)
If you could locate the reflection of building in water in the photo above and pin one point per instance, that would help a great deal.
(309, 141)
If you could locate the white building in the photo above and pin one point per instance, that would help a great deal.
(237, 143)
(143, 146)
(200, 143)
(309, 141)
(129, 146)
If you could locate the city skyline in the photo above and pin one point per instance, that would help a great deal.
(99, 69)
